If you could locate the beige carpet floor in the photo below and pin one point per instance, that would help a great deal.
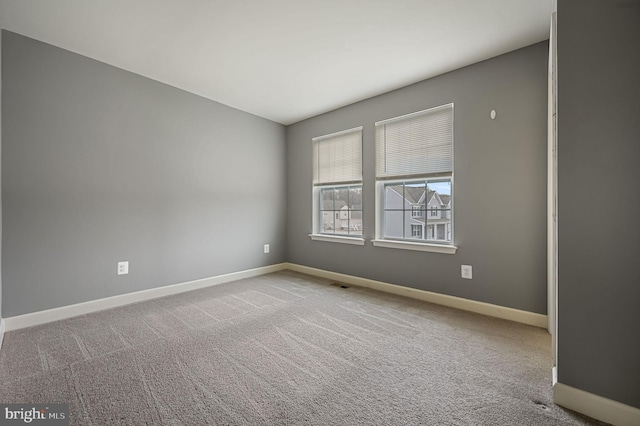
(285, 349)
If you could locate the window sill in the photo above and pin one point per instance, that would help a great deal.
(337, 239)
(407, 245)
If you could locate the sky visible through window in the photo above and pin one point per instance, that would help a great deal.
(442, 188)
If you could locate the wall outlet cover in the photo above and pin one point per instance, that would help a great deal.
(266, 248)
(467, 272)
(123, 268)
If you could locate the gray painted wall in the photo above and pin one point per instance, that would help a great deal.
(598, 154)
(0, 174)
(101, 165)
(500, 184)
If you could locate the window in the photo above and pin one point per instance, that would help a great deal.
(414, 173)
(399, 221)
(337, 185)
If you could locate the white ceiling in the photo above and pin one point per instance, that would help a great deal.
(285, 60)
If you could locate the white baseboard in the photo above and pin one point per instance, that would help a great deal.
(598, 407)
(64, 312)
(49, 315)
(1, 331)
(497, 311)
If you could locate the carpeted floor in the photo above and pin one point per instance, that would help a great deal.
(285, 349)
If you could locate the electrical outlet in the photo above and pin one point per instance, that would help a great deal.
(123, 268)
(266, 248)
(467, 271)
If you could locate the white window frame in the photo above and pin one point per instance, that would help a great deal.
(407, 243)
(317, 227)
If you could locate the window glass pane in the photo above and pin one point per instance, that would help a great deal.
(355, 210)
(355, 225)
(326, 199)
(439, 207)
(415, 198)
(418, 210)
(430, 232)
(394, 224)
(342, 198)
(327, 222)
(414, 192)
(355, 197)
(341, 210)
(394, 197)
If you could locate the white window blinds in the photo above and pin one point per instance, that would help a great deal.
(418, 144)
(337, 158)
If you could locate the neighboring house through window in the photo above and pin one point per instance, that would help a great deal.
(337, 184)
(414, 174)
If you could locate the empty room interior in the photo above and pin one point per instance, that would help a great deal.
(331, 212)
